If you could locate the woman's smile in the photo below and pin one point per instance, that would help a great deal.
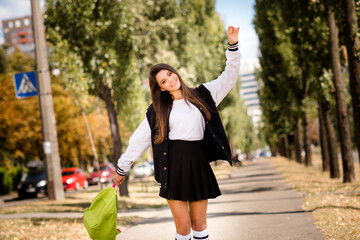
(175, 81)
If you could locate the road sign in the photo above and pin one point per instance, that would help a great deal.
(25, 84)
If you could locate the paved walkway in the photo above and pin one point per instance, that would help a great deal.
(256, 204)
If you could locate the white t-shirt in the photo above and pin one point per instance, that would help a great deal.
(185, 123)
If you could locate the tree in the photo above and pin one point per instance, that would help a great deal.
(279, 77)
(343, 121)
(353, 45)
(323, 141)
(97, 32)
(297, 42)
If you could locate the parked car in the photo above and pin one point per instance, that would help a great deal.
(34, 181)
(144, 169)
(74, 178)
(265, 153)
(107, 174)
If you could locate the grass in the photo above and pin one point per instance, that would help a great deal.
(50, 228)
(143, 194)
(335, 205)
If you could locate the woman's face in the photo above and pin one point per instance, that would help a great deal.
(167, 80)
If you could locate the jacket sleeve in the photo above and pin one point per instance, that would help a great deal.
(221, 86)
(139, 142)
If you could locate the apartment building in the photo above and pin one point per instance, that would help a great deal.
(18, 33)
(249, 93)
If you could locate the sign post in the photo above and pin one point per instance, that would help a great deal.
(51, 149)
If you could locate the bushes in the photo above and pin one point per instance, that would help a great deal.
(9, 179)
(6, 183)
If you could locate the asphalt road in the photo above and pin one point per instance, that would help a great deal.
(255, 204)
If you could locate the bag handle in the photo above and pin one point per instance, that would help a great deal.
(117, 186)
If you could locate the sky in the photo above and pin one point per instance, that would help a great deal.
(238, 13)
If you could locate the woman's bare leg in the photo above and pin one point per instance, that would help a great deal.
(198, 211)
(180, 212)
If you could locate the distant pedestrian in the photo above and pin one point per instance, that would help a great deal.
(185, 130)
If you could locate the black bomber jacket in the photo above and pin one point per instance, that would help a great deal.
(215, 141)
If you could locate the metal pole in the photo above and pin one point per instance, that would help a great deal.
(51, 150)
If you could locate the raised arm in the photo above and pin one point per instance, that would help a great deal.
(221, 86)
(139, 141)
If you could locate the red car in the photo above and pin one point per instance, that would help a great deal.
(74, 178)
(107, 174)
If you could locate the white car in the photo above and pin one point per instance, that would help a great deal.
(144, 169)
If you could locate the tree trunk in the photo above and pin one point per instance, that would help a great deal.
(102, 140)
(92, 144)
(307, 139)
(323, 140)
(290, 146)
(286, 147)
(331, 141)
(105, 95)
(297, 143)
(281, 147)
(343, 121)
(353, 46)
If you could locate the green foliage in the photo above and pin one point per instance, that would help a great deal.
(6, 182)
(238, 125)
(9, 179)
(188, 35)
(92, 47)
(279, 77)
(294, 62)
(95, 36)
(20, 62)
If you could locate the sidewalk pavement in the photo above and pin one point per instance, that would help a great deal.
(255, 204)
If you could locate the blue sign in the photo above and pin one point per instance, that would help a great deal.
(25, 84)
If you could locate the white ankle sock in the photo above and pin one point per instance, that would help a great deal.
(204, 235)
(181, 237)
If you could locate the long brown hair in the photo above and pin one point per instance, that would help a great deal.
(163, 101)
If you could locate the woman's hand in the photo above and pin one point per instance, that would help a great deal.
(233, 33)
(118, 179)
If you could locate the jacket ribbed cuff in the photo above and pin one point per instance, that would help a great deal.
(121, 172)
(233, 47)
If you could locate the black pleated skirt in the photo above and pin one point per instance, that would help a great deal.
(190, 175)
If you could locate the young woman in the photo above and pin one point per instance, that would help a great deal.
(185, 131)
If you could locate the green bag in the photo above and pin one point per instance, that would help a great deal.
(100, 218)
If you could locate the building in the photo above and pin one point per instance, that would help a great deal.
(249, 93)
(18, 32)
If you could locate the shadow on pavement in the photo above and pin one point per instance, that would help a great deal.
(254, 190)
(79, 204)
(238, 180)
(254, 200)
(224, 214)
(261, 175)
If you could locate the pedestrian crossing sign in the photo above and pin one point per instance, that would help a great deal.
(25, 84)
